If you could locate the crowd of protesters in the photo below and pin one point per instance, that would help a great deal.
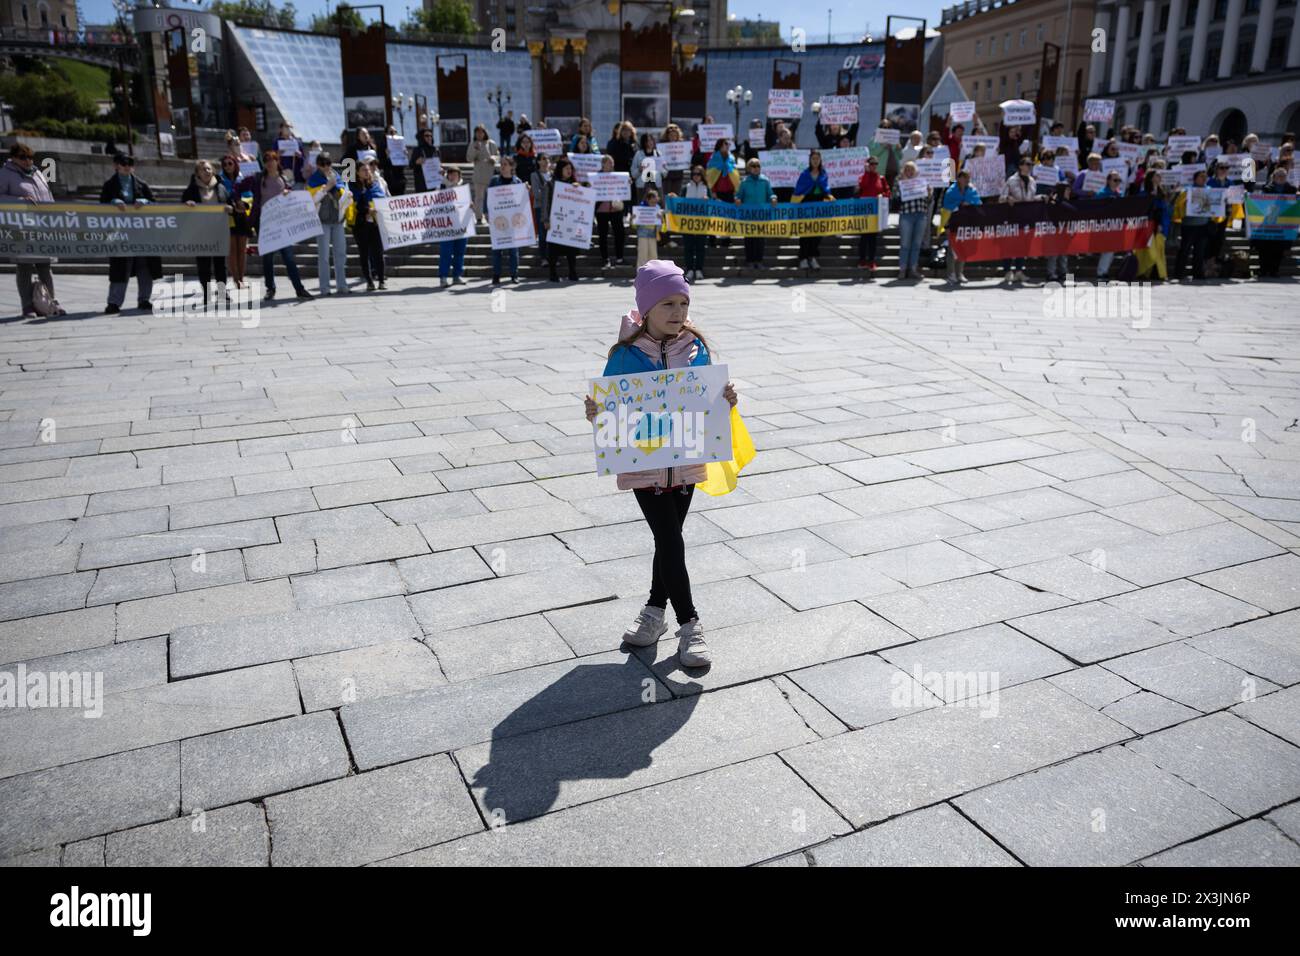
(1126, 162)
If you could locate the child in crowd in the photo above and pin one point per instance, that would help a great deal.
(647, 237)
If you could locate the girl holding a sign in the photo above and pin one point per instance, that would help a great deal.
(506, 177)
(609, 218)
(563, 174)
(813, 185)
(658, 335)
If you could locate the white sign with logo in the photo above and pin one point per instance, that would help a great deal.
(573, 211)
(1098, 111)
(288, 218)
(783, 166)
(937, 173)
(677, 155)
(611, 187)
(510, 216)
(886, 136)
(1018, 113)
(584, 164)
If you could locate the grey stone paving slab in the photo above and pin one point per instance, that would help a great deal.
(1093, 632)
(991, 656)
(1246, 769)
(1051, 538)
(922, 564)
(1102, 809)
(169, 613)
(80, 800)
(935, 836)
(1278, 713)
(939, 753)
(1191, 677)
(960, 604)
(208, 570)
(782, 550)
(233, 836)
(61, 592)
(85, 853)
(1265, 646)
(242, 508)
(371, 816)
(514, 596)
(1120, 488)
(56, 633)
(343, 585)
(864, 690)
(814, 714)
(517, 642)
(1068, 577)
(345, 494)
(443, 569)
(280, 560)
(358, 521)
(741, 814)
(1185, 607)
(956, 457)
(1167, 515)
(528, 775)
(1272, 584)
(1287, 819)
(206, 648)
(173, 544)
(893, 496)
(1253, 843)
(129, 582)
(1145, 712)
(496, 526)
(365, 673)
(785, 515)
(340, 550)
(528, 554)
(251, 762)
(145, 716)
(392, 729)
(897, 530)
(832, 582)
(746, 652)
(1186, 553)
(122, 667)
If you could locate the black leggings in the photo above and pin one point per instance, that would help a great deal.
(665, 513)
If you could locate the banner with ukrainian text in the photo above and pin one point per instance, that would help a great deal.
(1272, 216)
(65, 230)
(712, 217)
(416, 218)
(1035, 229)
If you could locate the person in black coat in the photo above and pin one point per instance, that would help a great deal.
(424, 150)
(125, 189)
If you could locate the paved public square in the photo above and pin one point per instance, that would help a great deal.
(1000, 588)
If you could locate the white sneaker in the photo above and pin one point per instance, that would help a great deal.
(1020, 276)
(691, 649)
(803, 264)
(648, 627)
(815, 264)
(442, 283)
(459, 280)
(699, 274)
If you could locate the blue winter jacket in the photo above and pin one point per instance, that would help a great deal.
(953, 197)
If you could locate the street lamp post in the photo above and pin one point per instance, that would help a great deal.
(738, 96)
(400, 105)
(499, 98)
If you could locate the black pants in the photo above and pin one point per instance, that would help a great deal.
(605, 221)
(370, 247)
(1272, 253)
(665, 513)
(210, 266)
(810, 247)
(867, 243)
(754, 249)
(555, 250)
(1192, 244)
(1215, 233)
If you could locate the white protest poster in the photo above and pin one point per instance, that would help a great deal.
(643, 215)
(1293, 176)
(1098, 111)
(425, 217)
(1132, 152)
(663, 418)
(288, 218)
(1241, 168)
(510, 216)
(757, 139)
(584, 164)
(547, 141)
(1069, 163)
(573, 211)
(432, 167)
(1212, 152)
(885, 136)
(844, 167)
(988, 175)
(166, 143)
(1018, 113)
(783, 166)
(1094, 181)
(1235, 195)
(1120, 166)
(1205, 201)
(649, 167)
(784, 104)
(366, 155)
(937, 173)
(288, 148)
(397, 150)
(710, 133)
(249, 168)
(611, 187)
(1186, 173)
(311, 157)
(1047, 176)
(1261, 153)
(1183, 144)
(991, 144)
(914, 188)
(839, 110)
(1056, 142)
(676, 155)
(963, 111)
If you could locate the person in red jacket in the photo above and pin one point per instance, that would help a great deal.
(871, 184)
(951, 137)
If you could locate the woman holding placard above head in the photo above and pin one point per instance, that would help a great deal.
(506, 177)
(564, 173)
(622, 146)
(609, 218)
(265, 186)
(365, 226)
(289, 146)
(393, 162)
(247, 144)
(482, 153)
(813, 185)
(428, 175)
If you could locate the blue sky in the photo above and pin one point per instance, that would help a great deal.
(845, 18)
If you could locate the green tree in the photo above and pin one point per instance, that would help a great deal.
(255, 13)
(453, 17)
(342, 17)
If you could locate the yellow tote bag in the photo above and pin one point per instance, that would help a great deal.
(721, 477)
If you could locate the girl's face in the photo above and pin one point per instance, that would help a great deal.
(607, 164)
(667, 318)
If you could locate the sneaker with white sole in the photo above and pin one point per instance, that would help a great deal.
(691, 649)
(648, 627)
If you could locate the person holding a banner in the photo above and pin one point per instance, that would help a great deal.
(1218, 227)
(425, 178)
(722, 176)
(951, 136)
(1194, 235)
(609, 218)
(265, 186)
(1273, 252)
(451, 252)
(247, 145)
(288, 144)
(955, 196)
(241, 223)
(647, 234)
(872, 184)
(914, 217)
(482, 153)
(564, 173)
(206, 188)
(124, 189)
(755, 190)
(328, 193)
(21, 180)
(674, 179)
(656, 335)
(506, 177)
(365, 227)
(695, 245)
(645, 169)
(1020, 187)
(813, 185)
(362, 147)
(392, 166)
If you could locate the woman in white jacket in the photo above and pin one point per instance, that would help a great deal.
(646, 166)
(483, 154)
(912, 151)
(1020, 187)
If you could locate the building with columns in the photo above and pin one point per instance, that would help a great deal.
(1229, 67)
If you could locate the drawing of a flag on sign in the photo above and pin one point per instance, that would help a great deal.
(1272, 217)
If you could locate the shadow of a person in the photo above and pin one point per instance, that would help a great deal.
(527, 766)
